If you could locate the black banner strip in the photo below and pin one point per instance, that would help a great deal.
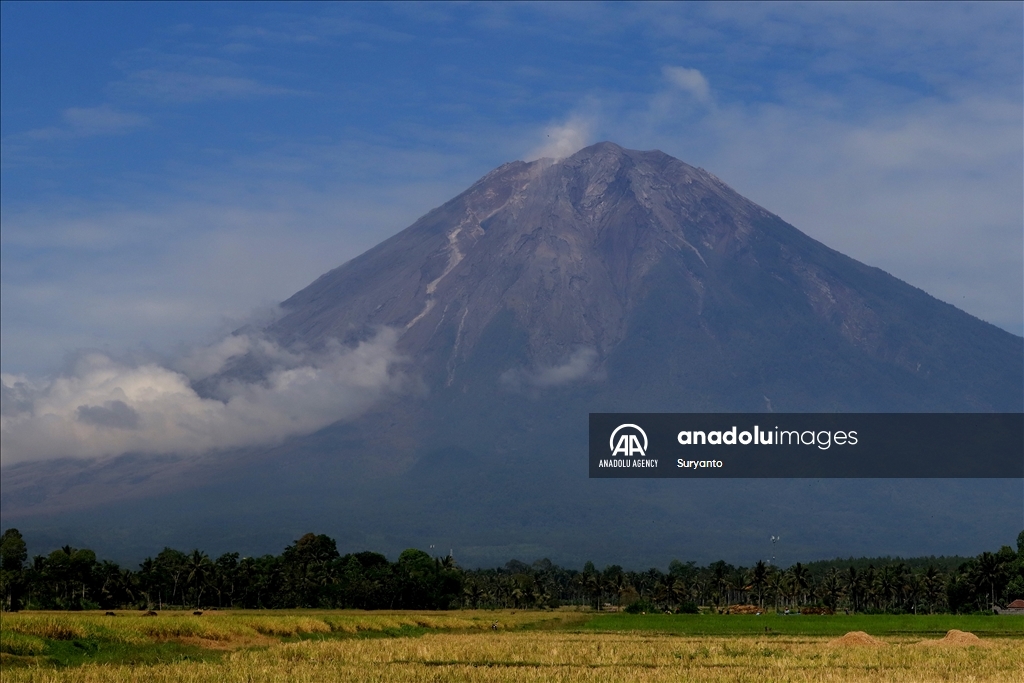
(806, 445)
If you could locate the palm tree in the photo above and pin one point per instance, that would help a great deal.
(800, 580)
(913, 589)
(660, 594)
(886, 586)
(539, 595)
(831, 588)
(854, 586)
(902, 578)
(110, 573)
(517, 596)
(720, 581)
(933, 586)
(758, 581)
(680, 591)
(988, 570)
(127, 583)
(473, 593)
(869, 581)
(776, 585)
(621, 585)
(197, 571)
(594, 589)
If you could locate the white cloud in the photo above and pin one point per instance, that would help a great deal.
(103, 407)
(581, 365)
(562, 140)
(181, 86)
(691, 81)
(208, 360)
(81, 122)
(101, 120)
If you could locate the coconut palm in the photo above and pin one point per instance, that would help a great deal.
(988, 571)
(198, 568)
(776, 583)
(758, 580)
(621, 585)
(870, 583)
(680, 591)
(913, 589)
(886, 586)
(661, 594)
(473, 593)
(595, 587)
(933, 587)
(902, 577)
(800, 580)
(831, 588)
(854, 585)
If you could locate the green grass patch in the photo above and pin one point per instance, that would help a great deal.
(21, 645)
(64, 653)
(67, 644)
(934, 625)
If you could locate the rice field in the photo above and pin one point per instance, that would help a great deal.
(488, 646)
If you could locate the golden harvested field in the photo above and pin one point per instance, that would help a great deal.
(528, 646)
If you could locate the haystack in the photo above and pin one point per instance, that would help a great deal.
(857, 639)
(956, 638)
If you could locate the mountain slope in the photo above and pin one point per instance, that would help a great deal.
(611, 246)
(613, 280)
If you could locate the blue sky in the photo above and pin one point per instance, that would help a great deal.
(169, 170)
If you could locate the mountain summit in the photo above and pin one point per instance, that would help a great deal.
(610, 253)
(564, 246)
(610, 281)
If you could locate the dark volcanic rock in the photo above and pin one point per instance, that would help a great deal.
(637, 264)
(612, 280)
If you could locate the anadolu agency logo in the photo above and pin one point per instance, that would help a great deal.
(628, 445)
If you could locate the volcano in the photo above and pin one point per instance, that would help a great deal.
(687, 296)
(610, 281)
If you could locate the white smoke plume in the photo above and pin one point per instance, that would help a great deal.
(103, 407)
(562, 140)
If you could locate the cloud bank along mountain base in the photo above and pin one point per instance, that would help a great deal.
(105, 407)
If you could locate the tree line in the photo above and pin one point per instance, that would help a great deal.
(312, 573)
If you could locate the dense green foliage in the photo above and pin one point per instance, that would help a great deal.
(312, 573)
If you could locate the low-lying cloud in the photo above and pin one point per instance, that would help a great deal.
(104, 407)
(581, 365)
